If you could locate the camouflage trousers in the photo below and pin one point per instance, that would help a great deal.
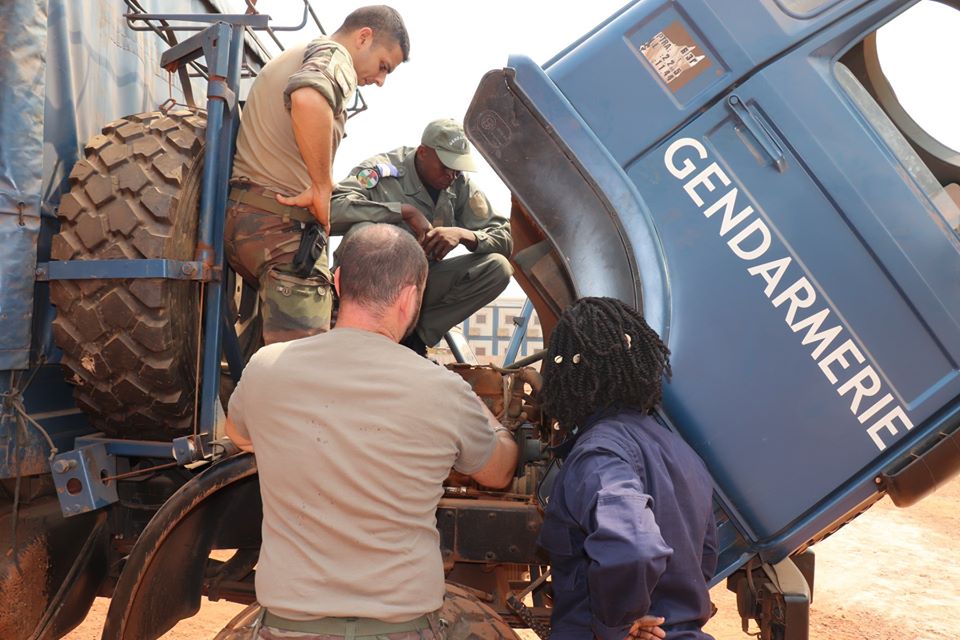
(269, 633)
(461, 617)
(260, 246)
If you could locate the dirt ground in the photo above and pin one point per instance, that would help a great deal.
(892, 574)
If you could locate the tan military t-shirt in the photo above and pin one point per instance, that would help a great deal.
(354, 436)
(267, 152)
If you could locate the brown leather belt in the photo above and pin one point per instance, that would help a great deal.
(268, 204)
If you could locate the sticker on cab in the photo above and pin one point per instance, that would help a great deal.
(675, 56)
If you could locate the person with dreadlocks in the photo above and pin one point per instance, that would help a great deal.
(629, 525)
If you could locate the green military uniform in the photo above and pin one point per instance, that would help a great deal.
(262, 236)
(457, 286)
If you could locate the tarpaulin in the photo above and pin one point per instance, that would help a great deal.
(23, 43)
(67, 68)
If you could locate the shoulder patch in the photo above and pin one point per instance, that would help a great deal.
(478, 202)
(342, 71)
(368, 178)
(388, 170)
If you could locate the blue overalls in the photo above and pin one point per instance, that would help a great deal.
(630, 531)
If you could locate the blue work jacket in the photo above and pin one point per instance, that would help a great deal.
(630, 531)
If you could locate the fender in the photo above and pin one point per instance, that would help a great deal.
(597, 223)
(169, 568)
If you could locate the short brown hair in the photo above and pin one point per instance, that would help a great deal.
(384, 21)
(377, 262)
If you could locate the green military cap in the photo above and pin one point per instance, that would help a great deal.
(446, 137)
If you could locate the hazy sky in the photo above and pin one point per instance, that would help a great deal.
(918, 53)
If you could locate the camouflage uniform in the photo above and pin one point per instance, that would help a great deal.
(353, 628)
(262, 236)
(260, 246)
(457, 286)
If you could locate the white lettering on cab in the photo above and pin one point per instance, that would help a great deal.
(845, 367)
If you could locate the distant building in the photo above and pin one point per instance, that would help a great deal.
(490, 329)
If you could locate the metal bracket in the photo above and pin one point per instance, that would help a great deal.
(217, 88)
(189, 449)
(213, 43)
(79, 478)
(83, 476)
(123, 269)
(776, 596)
(183, 450)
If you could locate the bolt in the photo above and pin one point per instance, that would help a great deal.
(189, 454)
(188, 268)
(733, 100)
(490, 555)
(62, 466)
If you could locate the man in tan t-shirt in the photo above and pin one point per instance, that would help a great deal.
(352, 454)
(290, 128)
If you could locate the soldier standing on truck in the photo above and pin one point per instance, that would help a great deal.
(292, 124)
(425, 190)
(629, 527)
(351, 466)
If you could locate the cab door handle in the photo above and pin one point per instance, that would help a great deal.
(751, 120)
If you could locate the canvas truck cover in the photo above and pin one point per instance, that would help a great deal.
(68, 68)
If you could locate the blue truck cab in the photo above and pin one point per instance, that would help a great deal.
(744, 174)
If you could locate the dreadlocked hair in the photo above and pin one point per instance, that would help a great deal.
(602, 353)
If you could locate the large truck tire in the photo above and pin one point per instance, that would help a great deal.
(130, 345)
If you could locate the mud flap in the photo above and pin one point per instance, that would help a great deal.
(777, 596)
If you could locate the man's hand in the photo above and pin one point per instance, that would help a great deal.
(316, 199)
(442, 240)
(417, 222)
(647, 628)
(242, 442)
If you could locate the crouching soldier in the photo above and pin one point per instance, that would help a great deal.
(426, 191)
